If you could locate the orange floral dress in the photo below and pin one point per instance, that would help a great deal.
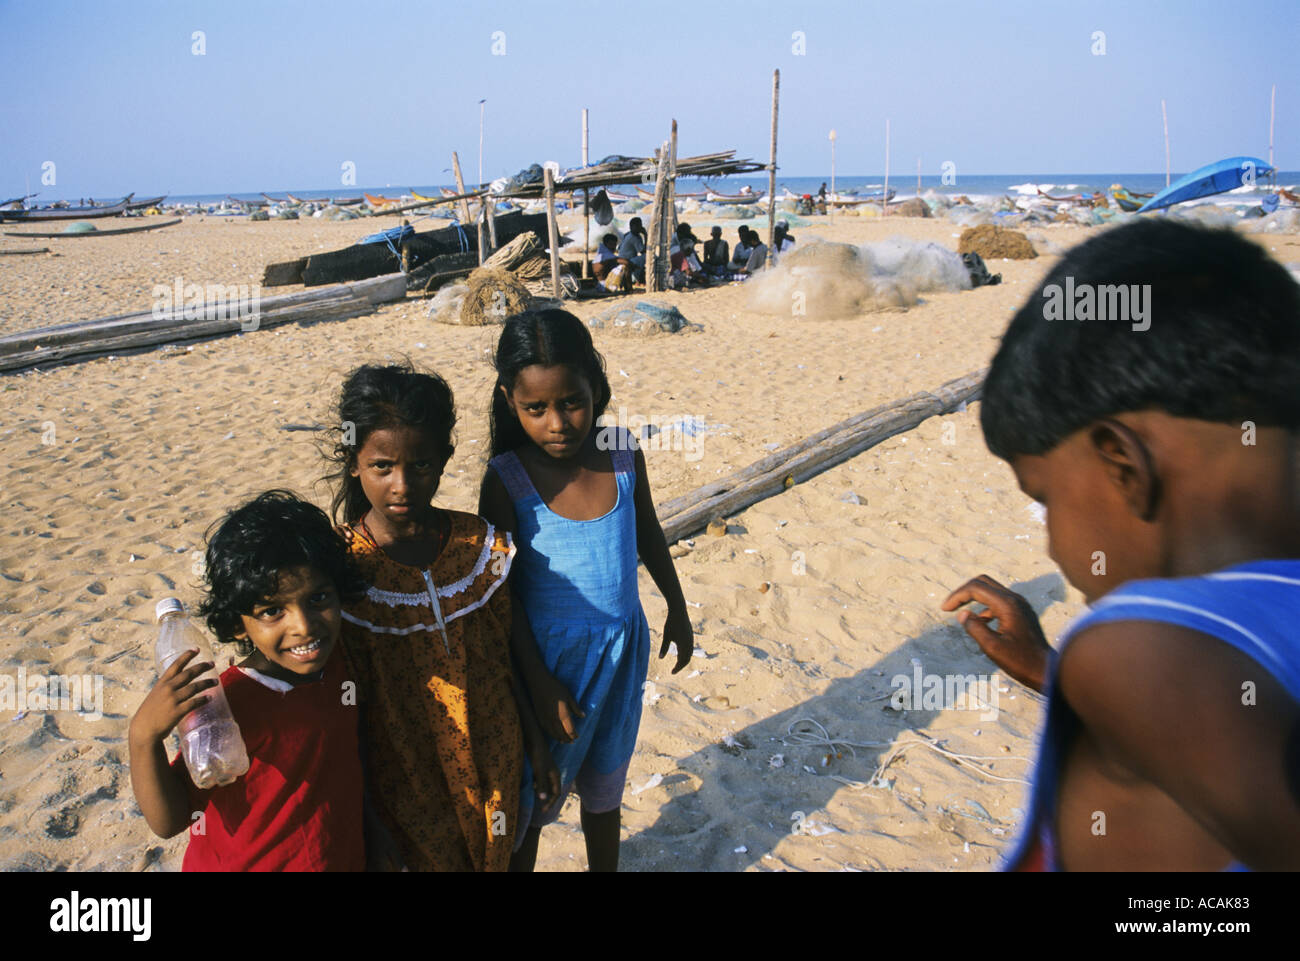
(430, 651)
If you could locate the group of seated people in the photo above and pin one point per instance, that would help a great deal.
(621, 263)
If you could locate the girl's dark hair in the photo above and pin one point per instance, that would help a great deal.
(254, 544)
(548, 338)
(380, 398)
(1223, 343)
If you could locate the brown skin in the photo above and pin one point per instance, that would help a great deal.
(304, 609)
(399, 469)
(555, 406)
(1188, 777)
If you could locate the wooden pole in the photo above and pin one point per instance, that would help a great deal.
(480, 228)
(552, 232)
(655, 269)
(1272, 113)
(671, 208)
(771, 170)
(831, 199)
(884, 194)
(586, 207)
(1164, 116)
(460, 189)
(490, 206)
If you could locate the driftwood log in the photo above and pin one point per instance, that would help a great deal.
(811, 456)
(68, 343)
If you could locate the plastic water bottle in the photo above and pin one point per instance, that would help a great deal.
(210, 740)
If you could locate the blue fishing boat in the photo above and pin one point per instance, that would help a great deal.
(1211, 179)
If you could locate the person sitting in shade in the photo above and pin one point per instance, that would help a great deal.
(716, 253)
(757, 253)
(607, 260)
(741, 255)
(686, 267)
(781, 239)
(631, 249)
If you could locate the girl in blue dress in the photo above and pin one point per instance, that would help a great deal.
(576, 499)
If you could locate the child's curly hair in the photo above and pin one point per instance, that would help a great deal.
(254, 544)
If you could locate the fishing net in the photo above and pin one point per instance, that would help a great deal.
(645, 317)
(821, 280)
(991, 242)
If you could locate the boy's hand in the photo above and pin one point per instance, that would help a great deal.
(1017, 645)
(678, 630)
(546, 776)
(555, 707)
(173, 697)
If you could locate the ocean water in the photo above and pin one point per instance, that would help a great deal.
(974, 186)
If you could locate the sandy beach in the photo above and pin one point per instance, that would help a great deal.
(804, 611)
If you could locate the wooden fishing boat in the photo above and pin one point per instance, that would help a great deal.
(66, 213)
(296, 200)
(381, 201)
(145, 204)
(741, 198)
(274, 200)
(346, 201)
(48, 235)
(423, 199)
(104, 203)
(246, 203)
(649, 195)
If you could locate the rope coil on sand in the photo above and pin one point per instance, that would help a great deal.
(820, 737)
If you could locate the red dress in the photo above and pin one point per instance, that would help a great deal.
(299, 806)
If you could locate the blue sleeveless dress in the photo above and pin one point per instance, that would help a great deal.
(577, 582)
(1251, 607)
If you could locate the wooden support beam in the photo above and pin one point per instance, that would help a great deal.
(771, 171)
(460, 189)
(586, 207)
(552, 232)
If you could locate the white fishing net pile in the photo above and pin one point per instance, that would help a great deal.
(823, 280)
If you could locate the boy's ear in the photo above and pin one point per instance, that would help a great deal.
(1129, 465)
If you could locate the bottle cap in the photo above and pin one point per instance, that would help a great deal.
(168, 605)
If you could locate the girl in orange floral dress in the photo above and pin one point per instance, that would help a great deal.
(429, 642)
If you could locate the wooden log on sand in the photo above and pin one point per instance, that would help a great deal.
(68, 343)
(811, 456)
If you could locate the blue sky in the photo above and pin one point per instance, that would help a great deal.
(286, 92)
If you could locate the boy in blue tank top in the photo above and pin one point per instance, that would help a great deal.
(1156, 417)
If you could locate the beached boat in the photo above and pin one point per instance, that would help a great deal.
(381, 201)
(68, 233)
(145, 204)
(297, 200)
(649, 195)
(1126, 201)
(346, 201)
(741, 198)
(1215, 178)
(274, 200)
(425, 200)
(64, 213)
